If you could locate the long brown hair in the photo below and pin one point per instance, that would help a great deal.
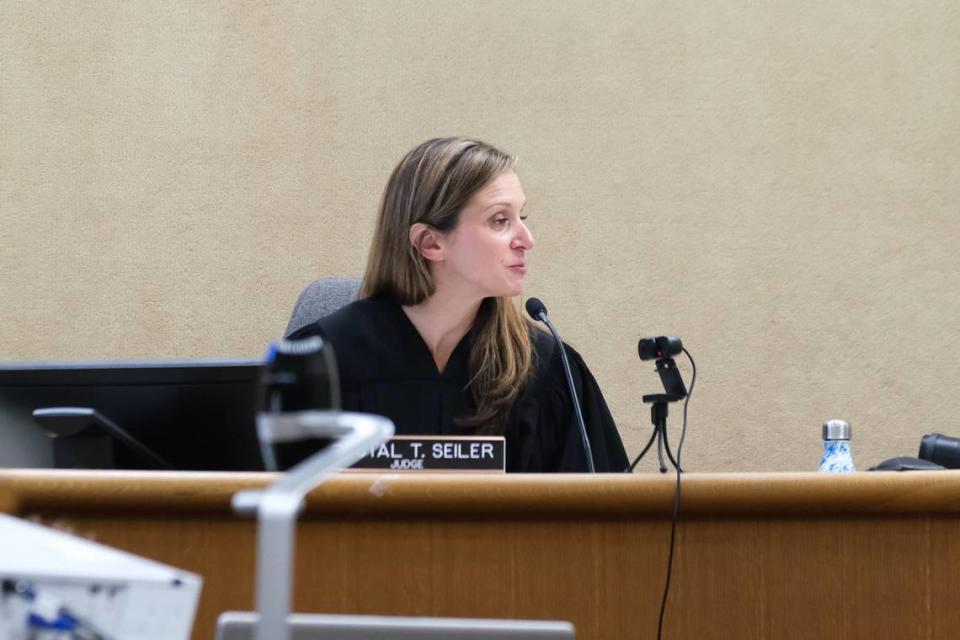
(431, 185)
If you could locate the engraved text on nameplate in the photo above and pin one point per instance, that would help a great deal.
(436, 453)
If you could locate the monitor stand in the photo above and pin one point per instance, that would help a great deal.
(84, 438)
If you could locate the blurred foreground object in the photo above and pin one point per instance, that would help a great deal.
(56, 585)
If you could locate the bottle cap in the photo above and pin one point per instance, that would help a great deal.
(836, 430)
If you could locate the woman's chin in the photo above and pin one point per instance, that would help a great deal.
(514, 291)
(509, 289)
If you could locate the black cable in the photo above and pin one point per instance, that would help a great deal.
(676, 500)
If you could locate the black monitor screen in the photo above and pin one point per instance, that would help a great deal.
(197, 415)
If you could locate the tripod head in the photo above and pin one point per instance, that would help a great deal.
(672, 383)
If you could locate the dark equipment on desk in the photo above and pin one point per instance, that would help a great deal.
(662, 348)
(84, 439)
(940, 449)
(192, 415)
(906, 463)
(937, 451)
(298, 375)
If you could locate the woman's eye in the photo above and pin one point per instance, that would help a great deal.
(499, 222)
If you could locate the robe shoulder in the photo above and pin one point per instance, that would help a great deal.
(367, 339)
(553, 440)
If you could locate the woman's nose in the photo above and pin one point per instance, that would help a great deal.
(524, 238)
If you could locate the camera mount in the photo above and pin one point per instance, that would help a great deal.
(675, 391)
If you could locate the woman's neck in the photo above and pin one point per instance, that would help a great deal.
(442, 320)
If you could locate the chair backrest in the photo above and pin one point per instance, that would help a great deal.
(322, 297)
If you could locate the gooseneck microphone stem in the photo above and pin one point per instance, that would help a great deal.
(573, 393)
(536, 309)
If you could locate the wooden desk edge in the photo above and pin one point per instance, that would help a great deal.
(560, 496)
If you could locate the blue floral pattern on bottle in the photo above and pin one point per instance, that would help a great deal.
(836, 457)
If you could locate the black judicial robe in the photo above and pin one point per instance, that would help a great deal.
(386, 368)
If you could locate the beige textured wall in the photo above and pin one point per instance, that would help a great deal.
(776, 182)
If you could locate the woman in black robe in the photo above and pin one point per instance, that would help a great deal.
(436, 342)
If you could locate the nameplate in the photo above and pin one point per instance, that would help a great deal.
(437, 453)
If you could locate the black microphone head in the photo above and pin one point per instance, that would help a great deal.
(535, 308)
(299, 375)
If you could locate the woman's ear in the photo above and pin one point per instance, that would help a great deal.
(427, 241)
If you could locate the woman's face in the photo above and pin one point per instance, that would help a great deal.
(485, 254)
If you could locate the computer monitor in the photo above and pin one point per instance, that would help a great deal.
(196, 414)
(237, 625)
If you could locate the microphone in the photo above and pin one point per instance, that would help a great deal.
(538, 311)
(297, 376)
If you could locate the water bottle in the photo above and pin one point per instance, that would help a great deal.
(836, 447)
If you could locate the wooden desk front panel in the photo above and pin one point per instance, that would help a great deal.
(736, 575)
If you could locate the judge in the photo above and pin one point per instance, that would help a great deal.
(436, 341)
